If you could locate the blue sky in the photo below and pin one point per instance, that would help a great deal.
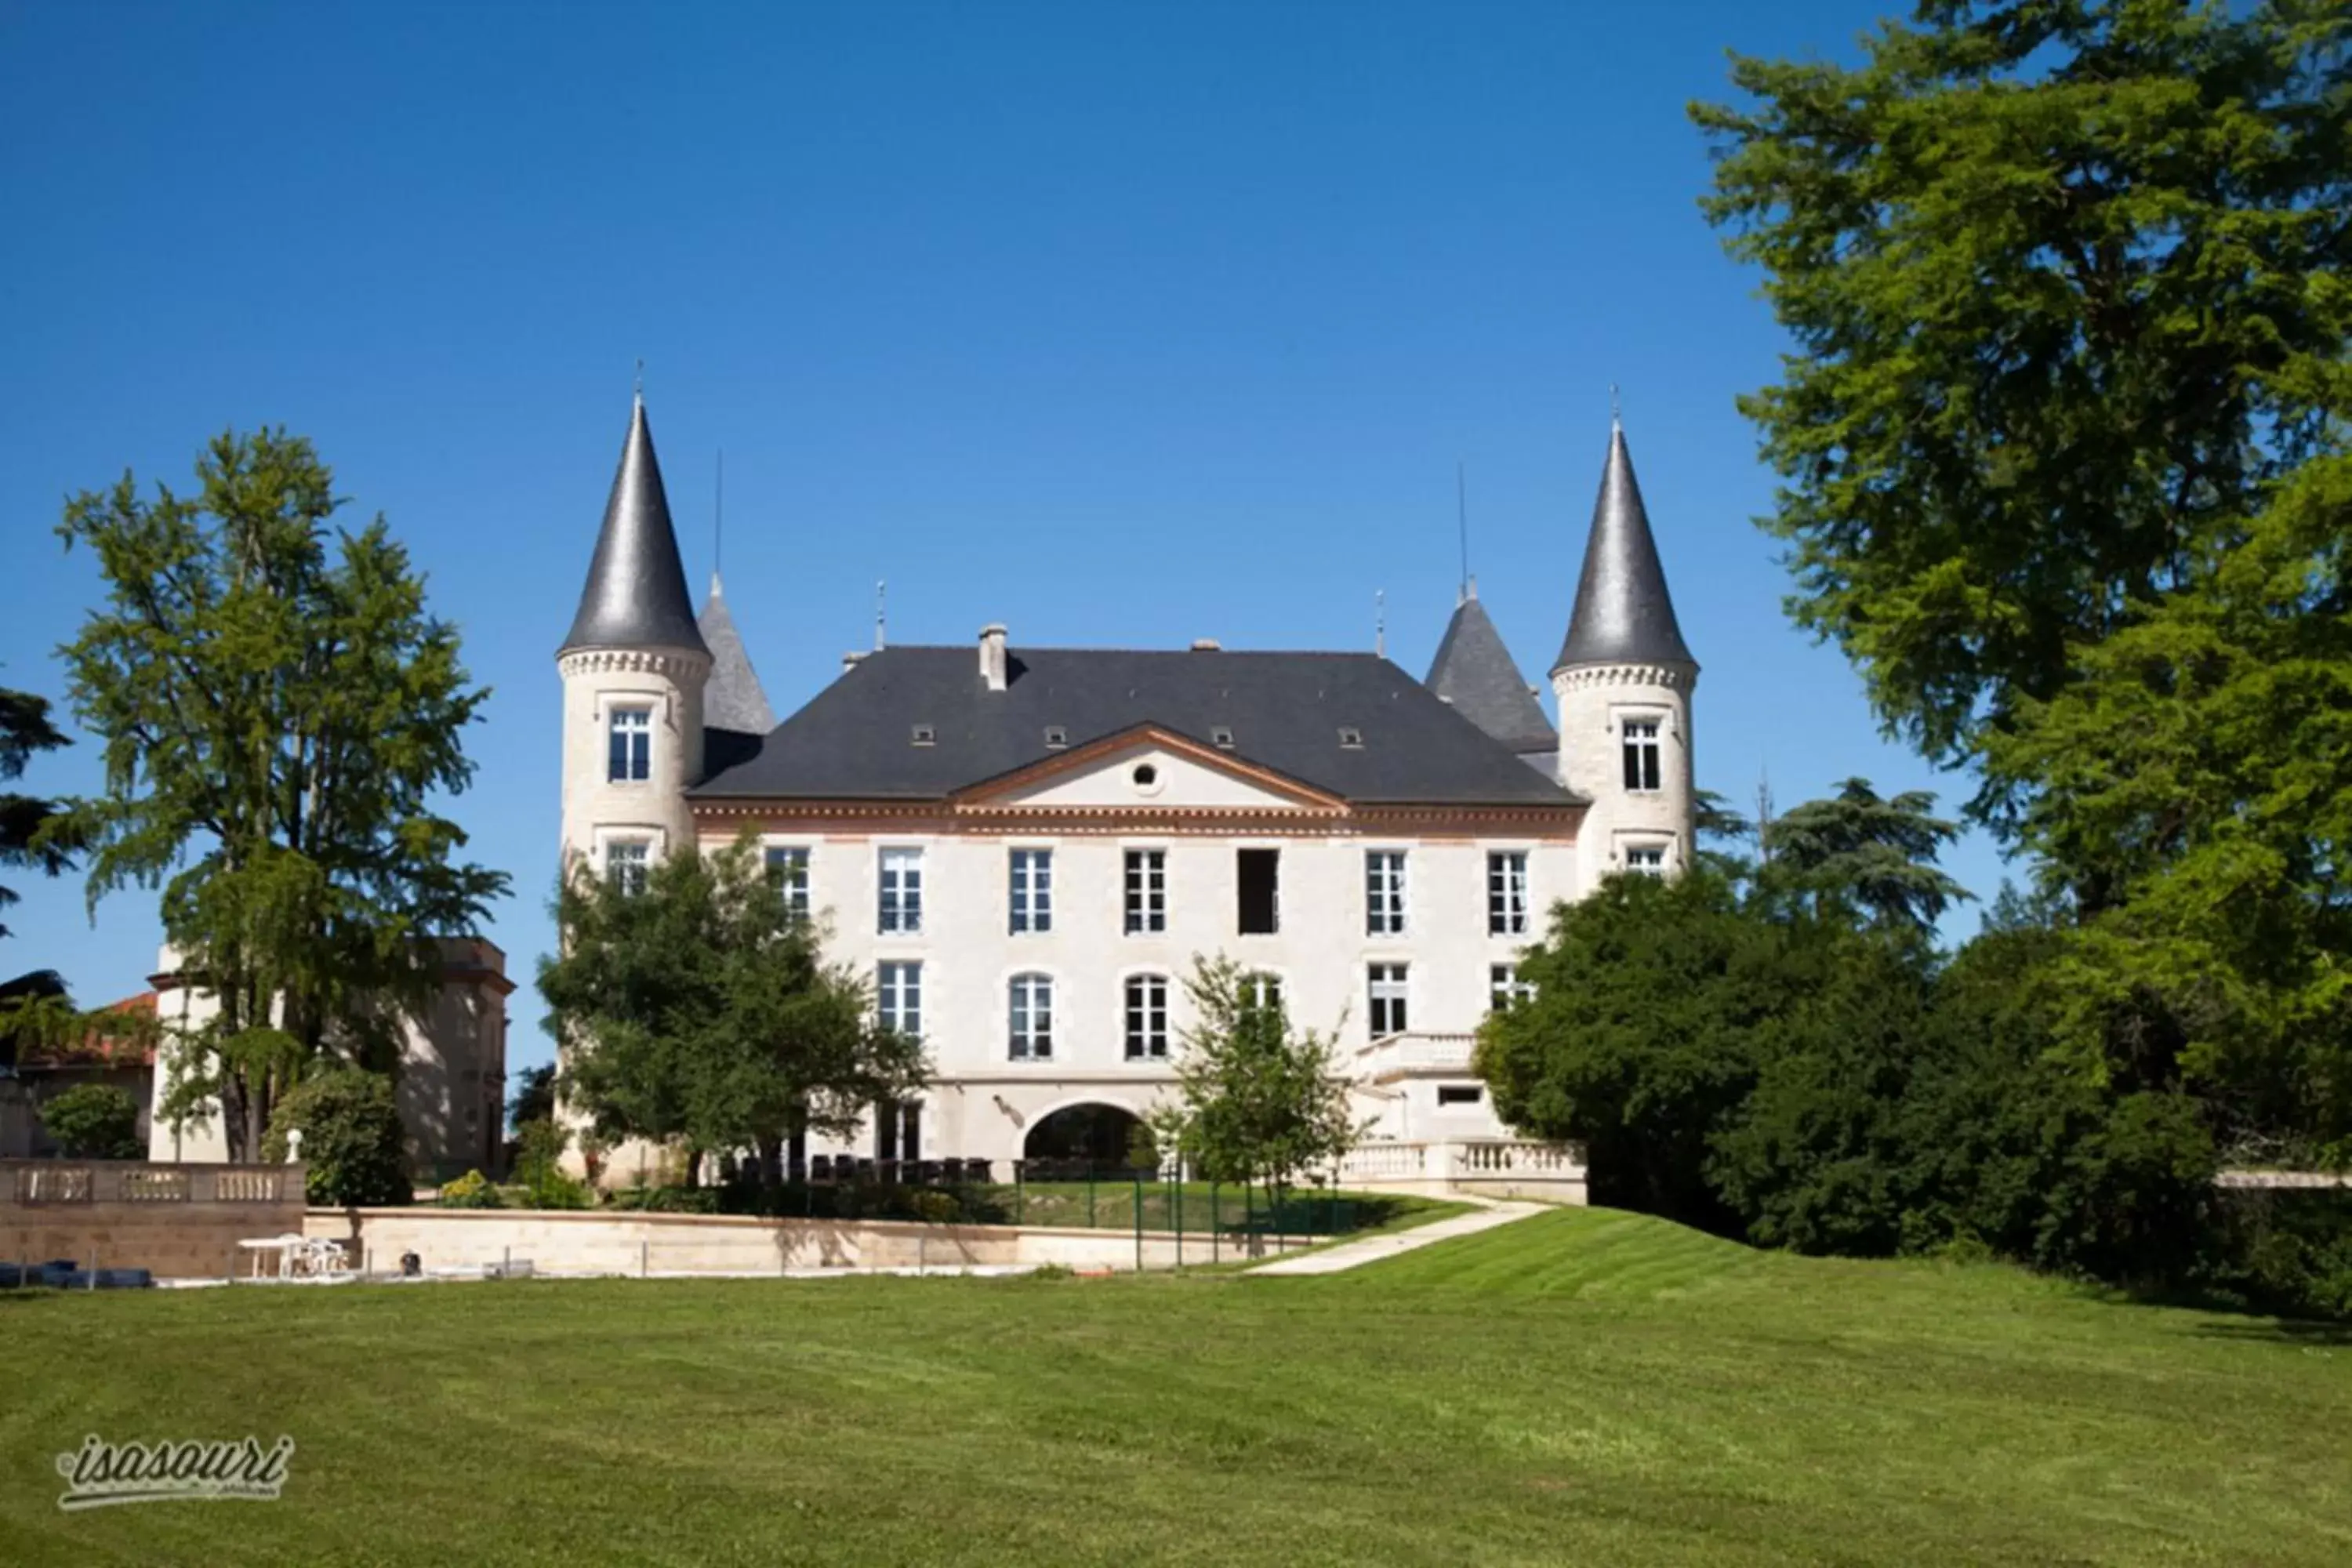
(1121, 324)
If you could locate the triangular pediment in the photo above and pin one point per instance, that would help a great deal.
(1147, 769)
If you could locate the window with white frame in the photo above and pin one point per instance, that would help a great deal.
(1505, 989)
(625, 864)
(1642, 768)
(1384, 892)
(1261, 991)
(1146, 1017)
(1030, 1036)
(901, 890)
(1506, 893)
(1650, 858)
(899, 996)
(1385, 988)
(788, 871)
(1033, 890)
(629, 733)
(1146, 891)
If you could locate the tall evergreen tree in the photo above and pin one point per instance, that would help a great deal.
(1877, 854)
(280, 713)
(32, 834)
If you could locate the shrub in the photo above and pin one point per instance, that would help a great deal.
(94, 1121)
(540, 1171)
(352, 1137)
(471, 1191)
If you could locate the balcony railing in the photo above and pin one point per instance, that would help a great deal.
(30, 1184)
(1398, 1056)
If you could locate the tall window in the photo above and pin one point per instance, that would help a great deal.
(1505, 989)
(902, 889)
(1386, 989)
(898, 1130)
(1261, 991)
(1646, 858)
(1031, 1038)
(1146, 891)
(1641, 753)
(788, 870)
(1033, 890)
(630, 759)
(1146, 1017)
(1506, 893)
(625, 864)
(899, 996)
(1384, 892)
(1257, 873)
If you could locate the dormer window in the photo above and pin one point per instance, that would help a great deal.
(1221, 737)
(1056, 737)
(1350, 740)
(926, 735)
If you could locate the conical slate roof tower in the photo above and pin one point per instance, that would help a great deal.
(636, 595)
(1624, 614)
(733, 698)
(1476, 673)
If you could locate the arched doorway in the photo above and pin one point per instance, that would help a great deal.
(1093, 1135)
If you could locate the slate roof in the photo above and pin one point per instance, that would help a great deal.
(855, 739)
(732, 700)
(1624, 614)
(636, 595)
(1475, 671)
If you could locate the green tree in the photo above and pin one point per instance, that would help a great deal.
(94, 1121)
(534, 1097)
(280, 718)
(1652, 1000)
(2066, 280)
(352, 1137)
(1256, 1099)
(32, 835)
(1877, 854)
(698, 1011)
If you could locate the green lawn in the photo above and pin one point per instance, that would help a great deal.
(1580, 1388)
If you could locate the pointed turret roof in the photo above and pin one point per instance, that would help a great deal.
(1623, 615)
(732, 700)
(1476, 673)
(636, 595)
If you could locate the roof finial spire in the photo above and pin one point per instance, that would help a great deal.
(1462, 522)
(1381, 623)
(637, 389)
(1616, 409)
(719, 522)
(880, 587)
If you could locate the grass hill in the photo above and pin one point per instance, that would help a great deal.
(1584, 1386)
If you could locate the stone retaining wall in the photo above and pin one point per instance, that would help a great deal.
(558, 1241)
(177, 1222)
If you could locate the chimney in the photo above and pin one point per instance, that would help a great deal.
(852, 659)
(1207, 644)
(992, 655)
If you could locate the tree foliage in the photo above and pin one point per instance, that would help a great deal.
(352, 1137)
(281, 716)
(32, 836)
(2066, 278)
(699, 1012)
(94, 1121)
(1257, 1098)
(1788, 1072)
(2067, 458)
(1879, 854)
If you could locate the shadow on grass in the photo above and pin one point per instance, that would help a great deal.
(2305, 1332)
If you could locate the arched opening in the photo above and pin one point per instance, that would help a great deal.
(1094, 1134)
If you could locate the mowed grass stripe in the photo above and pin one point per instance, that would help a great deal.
(1580, 1386)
